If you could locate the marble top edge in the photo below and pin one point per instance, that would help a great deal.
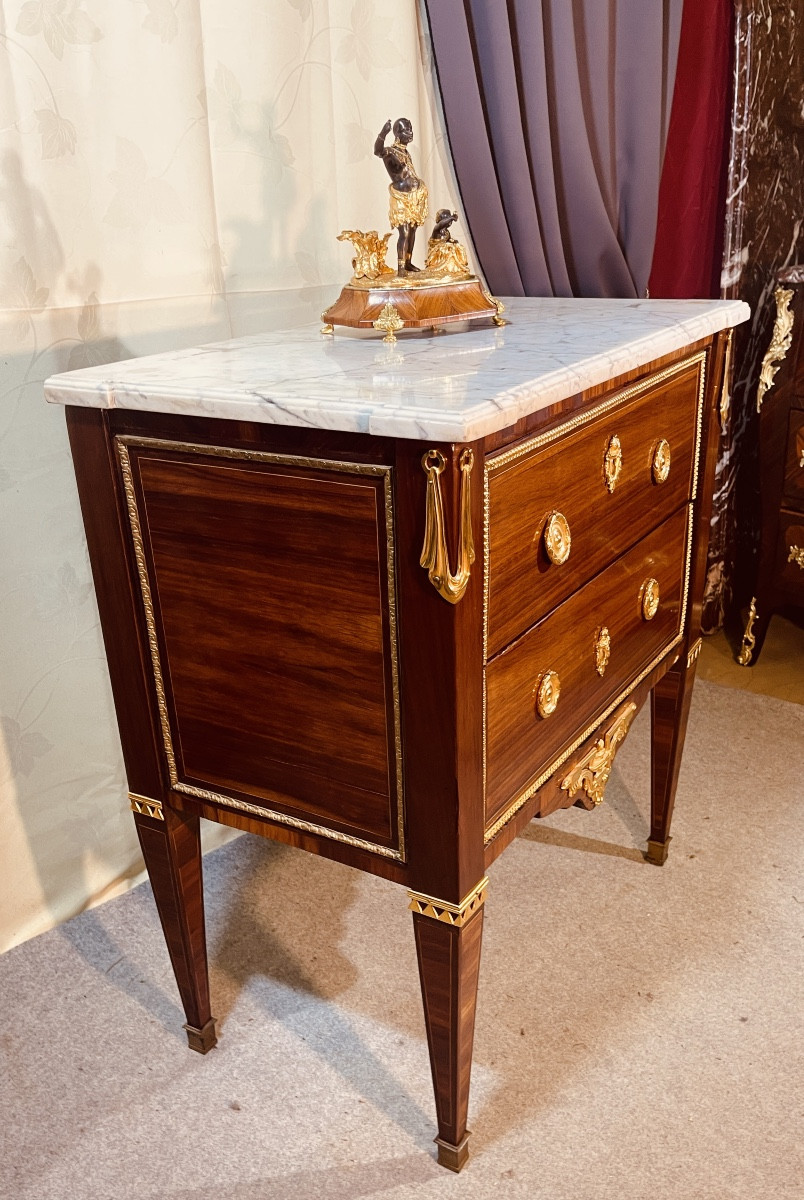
(461, 386)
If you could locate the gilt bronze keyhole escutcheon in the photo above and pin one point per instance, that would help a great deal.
(612, 462)
(602, 649)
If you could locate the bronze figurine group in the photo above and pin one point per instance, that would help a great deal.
(408, 207)
(444, 290)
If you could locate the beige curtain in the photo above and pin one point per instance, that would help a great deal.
(171, 171)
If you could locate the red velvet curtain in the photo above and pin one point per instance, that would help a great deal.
(689, 233)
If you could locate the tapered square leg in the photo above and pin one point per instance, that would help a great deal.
(171, 847)
(670, 707)
(449, 964)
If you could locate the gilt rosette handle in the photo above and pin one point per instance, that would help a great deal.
(435, 555)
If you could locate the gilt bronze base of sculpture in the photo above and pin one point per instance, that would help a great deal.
(420, 300)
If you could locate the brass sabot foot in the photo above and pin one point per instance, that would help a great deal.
(656, 852)
(453, 1157)
(202, 1039)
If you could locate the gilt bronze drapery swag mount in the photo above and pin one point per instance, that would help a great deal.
(410, 297)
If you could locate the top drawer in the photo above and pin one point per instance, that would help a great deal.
(593, 487)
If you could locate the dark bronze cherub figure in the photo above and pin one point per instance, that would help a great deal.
(408, 193)
(444, 218)
(445, 256)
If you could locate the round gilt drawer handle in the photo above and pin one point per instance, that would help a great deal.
(612, 462)
(602, 649)
(548, 689)
(660, 466)
(649, 599)
(557, 538)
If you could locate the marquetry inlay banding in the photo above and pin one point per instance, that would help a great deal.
(450, 914)
(146, 807)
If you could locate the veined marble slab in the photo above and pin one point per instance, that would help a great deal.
(459, 385)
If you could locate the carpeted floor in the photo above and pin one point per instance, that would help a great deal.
(639, 1030)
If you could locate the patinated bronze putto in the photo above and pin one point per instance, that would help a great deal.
(444, 290)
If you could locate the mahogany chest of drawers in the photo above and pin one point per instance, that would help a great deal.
(396, 650)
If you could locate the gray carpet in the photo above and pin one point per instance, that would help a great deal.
(639, 1031)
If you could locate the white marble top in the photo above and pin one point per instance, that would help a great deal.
(464, 383)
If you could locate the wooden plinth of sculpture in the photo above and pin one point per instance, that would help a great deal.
(377, 297)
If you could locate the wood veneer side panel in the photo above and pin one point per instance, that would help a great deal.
(267, 585)
(441, 655)
(275, 439)
(119, 604)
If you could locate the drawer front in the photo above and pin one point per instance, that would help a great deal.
(628, 465)
(596, 643)
(794, 459)
(790, 561)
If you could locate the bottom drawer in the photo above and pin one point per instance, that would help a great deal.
(543, 691)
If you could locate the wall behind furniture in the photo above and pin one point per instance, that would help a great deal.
(169, 174)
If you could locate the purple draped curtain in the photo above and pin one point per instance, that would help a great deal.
(557, 114)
